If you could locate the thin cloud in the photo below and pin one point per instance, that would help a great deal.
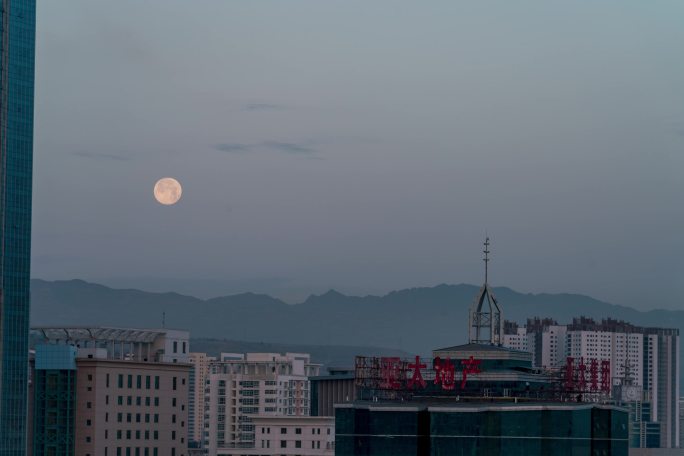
(95, 156)
(234, 148)
(289, 148)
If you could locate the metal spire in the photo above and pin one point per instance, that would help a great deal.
(486, 259)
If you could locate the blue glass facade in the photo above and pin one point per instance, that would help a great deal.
(54, 400)
(17, 56)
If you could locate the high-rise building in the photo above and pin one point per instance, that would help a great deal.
(17, 56)
(241, 387)
(648, 356)
(198, 378)
(110, 392)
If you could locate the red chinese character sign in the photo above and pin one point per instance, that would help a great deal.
(445, 373)
(416, 380)
(392, 373)
(586, 376)
(470, 366)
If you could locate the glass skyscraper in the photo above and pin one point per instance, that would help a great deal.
(17, 56)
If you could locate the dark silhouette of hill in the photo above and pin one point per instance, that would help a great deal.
(415, 320)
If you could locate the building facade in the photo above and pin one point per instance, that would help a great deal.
(294, 435)
(339, 387)
(17, 68)
(126, 396)
(647, 358)
(240, 387)
(461, 428)
(53, 401)
(198, 378)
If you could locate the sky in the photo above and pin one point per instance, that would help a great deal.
(363, 146)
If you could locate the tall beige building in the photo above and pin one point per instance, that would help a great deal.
(129, 398)
(198, 377)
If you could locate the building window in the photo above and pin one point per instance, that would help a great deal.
(175, 346)
(130, 381)
(138, 381)
(156, 382)
(175, 379)
(120, 381)
(147, 382)
(283, 430)
(298, 443)
(298, 430)
(283, 444)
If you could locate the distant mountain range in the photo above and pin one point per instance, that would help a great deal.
(414, 320)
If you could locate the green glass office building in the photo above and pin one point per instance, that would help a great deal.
(484, 428)
(17, 56)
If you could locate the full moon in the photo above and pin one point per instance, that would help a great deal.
(168, 191)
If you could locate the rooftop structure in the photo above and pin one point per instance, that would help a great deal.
(485, 322)
(144, 345)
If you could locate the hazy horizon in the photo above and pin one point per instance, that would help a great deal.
(363, 146)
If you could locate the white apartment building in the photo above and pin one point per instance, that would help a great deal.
(515, 337)
(651, 354)
(240, 387)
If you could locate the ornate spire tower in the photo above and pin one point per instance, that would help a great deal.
(485, 323)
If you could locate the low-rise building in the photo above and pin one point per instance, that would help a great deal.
(338, 387)
(294, 435)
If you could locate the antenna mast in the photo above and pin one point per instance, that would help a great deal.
(486, 259)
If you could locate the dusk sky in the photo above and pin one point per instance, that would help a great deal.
(364, 146)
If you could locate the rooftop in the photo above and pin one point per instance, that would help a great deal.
(98, 333)
(477, 347)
